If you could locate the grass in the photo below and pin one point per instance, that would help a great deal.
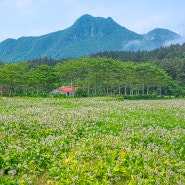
(91, 141)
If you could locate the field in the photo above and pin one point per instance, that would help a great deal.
(91, 141)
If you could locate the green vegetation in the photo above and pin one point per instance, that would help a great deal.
(95, 76)
(86, 36)
(91, 141)
(171, 59)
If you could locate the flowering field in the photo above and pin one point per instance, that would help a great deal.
(92, 141)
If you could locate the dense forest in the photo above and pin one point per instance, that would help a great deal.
(95, 76)
(158, 72)
(171, 59)
(161, 53)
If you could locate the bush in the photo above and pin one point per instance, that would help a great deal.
(80, 93)
(141, 97)
(58, 95)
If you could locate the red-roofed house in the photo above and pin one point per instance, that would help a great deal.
(67, 90)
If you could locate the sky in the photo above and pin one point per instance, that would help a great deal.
(38, 17)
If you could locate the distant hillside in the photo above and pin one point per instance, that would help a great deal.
(86, 36)
(167, 52)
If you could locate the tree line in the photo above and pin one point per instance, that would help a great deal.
(171, 59)
(96, 76)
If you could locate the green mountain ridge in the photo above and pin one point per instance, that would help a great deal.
(86, 36)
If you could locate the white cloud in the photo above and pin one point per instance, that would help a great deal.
(17, 3)
(23, 3)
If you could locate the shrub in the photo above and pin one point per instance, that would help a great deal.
(80, 93)
(141, 97)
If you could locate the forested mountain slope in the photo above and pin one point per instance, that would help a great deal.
(86, 36)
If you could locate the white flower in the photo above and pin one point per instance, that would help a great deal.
(12, 172)
(25, 176)
(75, 178)
(19, 165)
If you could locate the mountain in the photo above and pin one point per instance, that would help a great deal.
(86, 36)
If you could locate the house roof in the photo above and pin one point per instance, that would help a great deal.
(67, 89)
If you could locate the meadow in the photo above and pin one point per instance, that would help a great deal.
(91, 141)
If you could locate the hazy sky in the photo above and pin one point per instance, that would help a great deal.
(37, 17)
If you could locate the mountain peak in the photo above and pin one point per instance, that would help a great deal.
(86, 36)
(161, 35)
(84, 18)
(161, 31)
(90, 26)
